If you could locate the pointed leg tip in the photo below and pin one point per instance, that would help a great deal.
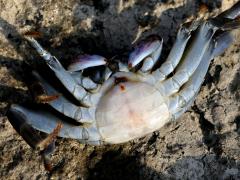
(45, 143)
(15, 117)
(32, 34)
(47, 98)
(18, 120)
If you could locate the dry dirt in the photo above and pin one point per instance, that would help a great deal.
(202, 144)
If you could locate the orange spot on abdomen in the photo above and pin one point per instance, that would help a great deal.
(122, 87)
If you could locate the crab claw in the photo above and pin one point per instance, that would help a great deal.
(146, 49)
(86, 61)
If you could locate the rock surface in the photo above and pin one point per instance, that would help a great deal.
(203, 144)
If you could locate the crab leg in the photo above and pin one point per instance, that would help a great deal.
(233, 12)
(67, 80)
(62, 105)
(46, 122)
(191, 60)
(175, 102)
(149, 51)
(181, 42)
(177, 114)
(33, 138)
(26, 131)
(194, 55)
(182, 99)
(176, 52)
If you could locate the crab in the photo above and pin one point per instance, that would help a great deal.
(133, 101)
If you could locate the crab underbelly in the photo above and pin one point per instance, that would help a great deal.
(130, 110)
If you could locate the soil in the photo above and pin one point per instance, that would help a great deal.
(203, 144)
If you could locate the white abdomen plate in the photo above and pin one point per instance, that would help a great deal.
(130, 110)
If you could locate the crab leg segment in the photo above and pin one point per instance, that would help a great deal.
(191, 60)
(46, 122)
(67, 80)
(147, 51)
(175, 54)
(177, 114)
(62, 105)
(189, 92)
(233, 12)
(182, 99)
(33, 138)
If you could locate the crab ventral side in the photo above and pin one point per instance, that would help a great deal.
(137, 99)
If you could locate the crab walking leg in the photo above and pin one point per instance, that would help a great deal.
(33, 138)
(177, 114)
(149, 50)
(182, 99)
(62, 105)
(190, 61)
(67, 80)
(233, 12)
(188, 94)
(29, 134)
(46, 122)
(174, 56)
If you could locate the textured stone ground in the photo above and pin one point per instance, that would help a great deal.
(203, 144)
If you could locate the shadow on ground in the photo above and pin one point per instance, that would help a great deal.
(115, 165)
